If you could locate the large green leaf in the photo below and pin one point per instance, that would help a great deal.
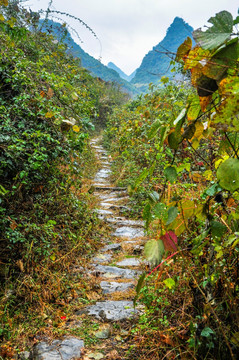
(228, 174)
(153, 251)
(172, 214)
(217, 228)
(170, 174)
(160, 211)
(225, 58)
(174, 140)
(216, 35)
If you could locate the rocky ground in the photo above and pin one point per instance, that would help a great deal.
(115, 270)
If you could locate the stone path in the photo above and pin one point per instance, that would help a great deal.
(115, 269)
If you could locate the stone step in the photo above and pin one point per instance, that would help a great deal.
(112, 310)
(111, 188)
(109, 287)
(114, 272)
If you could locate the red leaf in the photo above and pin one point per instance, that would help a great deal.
(170, 241)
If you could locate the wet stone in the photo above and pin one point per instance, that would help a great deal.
(115, 272)
(115, 246)
(124, 222)
(106, 205)
(119, 207)
(129, 232)
(102, 174)
(129, 262)
(113, 286)
(103, 212)
(106, 196)
(112, 310)
(66, 349)
(101, 258)
(111, 188)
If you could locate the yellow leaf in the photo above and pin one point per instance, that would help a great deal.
(217, 163)
(76, 128)
(195, 144)
(199, 130)
(197, 177)
(208, 175)
(205, 101)
(49, 114)
(2, 17)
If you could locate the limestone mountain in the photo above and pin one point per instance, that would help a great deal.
(118, 70)
(111, 65)
(94, 66)
(156, 63)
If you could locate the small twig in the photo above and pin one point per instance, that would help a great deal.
(196, 152)
(233, 147)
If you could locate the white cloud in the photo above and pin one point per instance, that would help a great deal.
(128, 29)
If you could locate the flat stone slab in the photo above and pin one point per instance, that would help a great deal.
(66, 349)
(110, 287)
(125, 222)
(111, 188)
(104, 212)
(114, 272)
(129, 262)
(129, 232)
(119, 207)
(112, 310)
(106, 205)
(107, 196)
(100, 183)
(101, 258)
(115, 246)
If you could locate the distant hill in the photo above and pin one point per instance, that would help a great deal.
(95, 67)
(154, 65)
(157, 62)
(120, 72)
(131, 76)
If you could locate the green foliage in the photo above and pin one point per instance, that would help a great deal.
(154, 250)
(48, 105)
(189, 200)
(228, 174)
(216, 35)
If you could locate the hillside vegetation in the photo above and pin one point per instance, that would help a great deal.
(176, 149)
(48, 104)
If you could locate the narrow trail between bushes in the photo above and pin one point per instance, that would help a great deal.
(114, 269)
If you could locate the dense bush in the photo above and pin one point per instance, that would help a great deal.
(177, 149)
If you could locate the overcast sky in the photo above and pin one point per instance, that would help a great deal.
(128, 29)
